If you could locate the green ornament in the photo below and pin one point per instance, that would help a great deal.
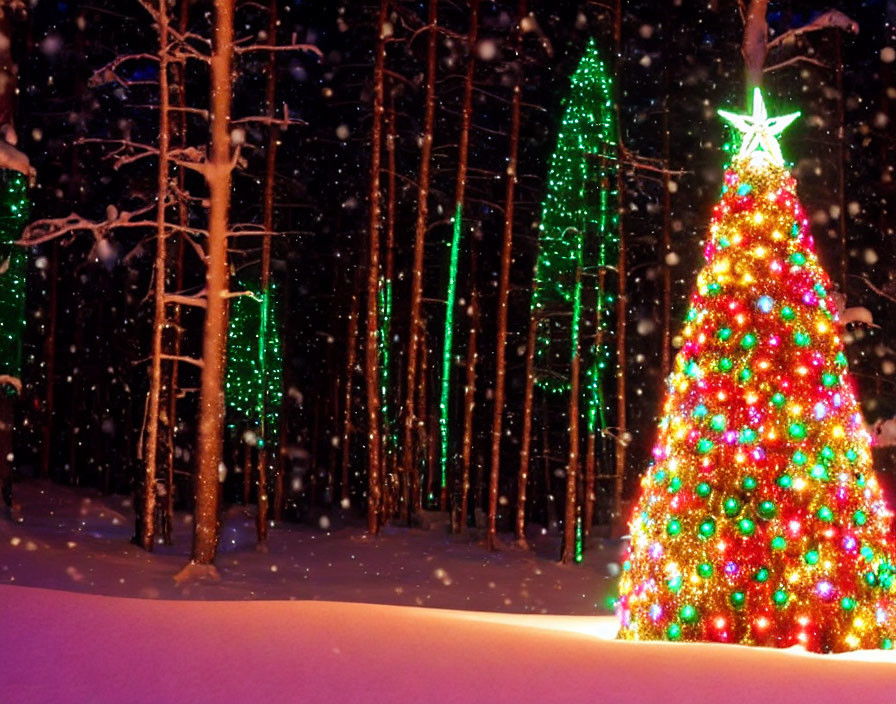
(688, 613)
(761, 575)
(825, 514)
(703, 490)
(779, 542)
(704, 569)
(708, 528)
(746, 527)
(766, 509)
(811, 557)
(737, 599)
(731, 506)
(797, 431)
(673, 527)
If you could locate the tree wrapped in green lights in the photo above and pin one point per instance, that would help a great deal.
(579, 225)
(13, 263)
(254, 381)
(578, 243)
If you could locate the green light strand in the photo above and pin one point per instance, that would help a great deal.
(448, 352)
(14, 211)
(253, 384)
(384, 300)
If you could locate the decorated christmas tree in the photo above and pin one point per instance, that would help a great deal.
(761, 521)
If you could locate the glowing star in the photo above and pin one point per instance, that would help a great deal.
(760, 131)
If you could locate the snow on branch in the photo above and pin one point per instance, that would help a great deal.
(832, 19)
(47, 229)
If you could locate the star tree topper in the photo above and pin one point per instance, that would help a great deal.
(759, 131)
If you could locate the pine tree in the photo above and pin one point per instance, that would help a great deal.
(761, 521)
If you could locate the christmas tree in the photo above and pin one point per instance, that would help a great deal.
(761, 521)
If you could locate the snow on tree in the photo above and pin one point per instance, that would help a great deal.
(761, 521)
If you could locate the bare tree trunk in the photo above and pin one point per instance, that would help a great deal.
(666, 247)
(572, 466)
(158, 327)
(469, 402)
(841, 163)
(755, 45)
(503, 294)
(351, 360)
(423, 439)
(374, 491)
(410, 419)
(621, 327)
(50, 360)
(261, 522)
(211, 401)
(175, 317)
(526, 443)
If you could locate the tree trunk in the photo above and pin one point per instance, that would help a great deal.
(469, 395)
(460, 185)
(755, 44)
(267, 434)
(526, 442)
(503, 294)
(374, 490)
(666, 247)
(351, 359)
(410, 419)
(621, 326)
(211, 400)
(841, 163)
(50, 360)
(158, 326)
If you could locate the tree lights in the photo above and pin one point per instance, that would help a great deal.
(579, 222)
(13, 263)
(254, 381)
(761, 521)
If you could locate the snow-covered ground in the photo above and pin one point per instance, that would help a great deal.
(74, 648)
(77, 540)
(244, 640)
